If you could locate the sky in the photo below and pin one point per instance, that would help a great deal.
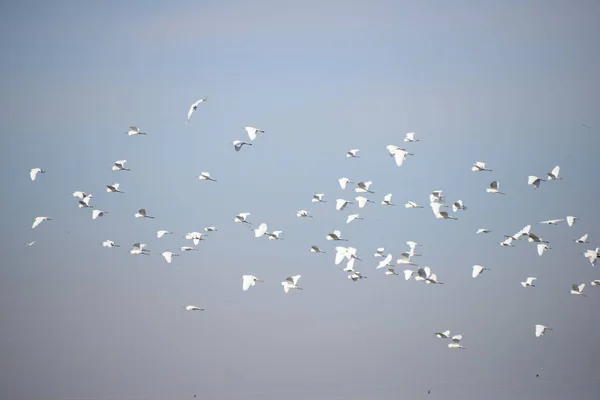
(508, 83)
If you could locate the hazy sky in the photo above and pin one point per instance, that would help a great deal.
(508, 83)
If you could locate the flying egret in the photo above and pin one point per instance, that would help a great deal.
(542, 247)
(316, 249)
(412, 204)
(188, 248)
(478, 269)
(195, 237)
(385, 262)
(387, 200)
(114, 188)
(410, 137)
(98, 213)
(423, 274)
(458, 205)
(34, 171)
(261, 230)
(343, 182)
(241, 218)
(361, 201)
(528, 282)
(552, 221)
(408, 274)
(479, 166)
(81, 195)
(578, 289)
(205, 176)
(404, 259)
(583, 239)
(340, 204)
(119, 165)
(363, 187)
(540, 330)
(533, 238)
(571, 220)
(412, 246)
(595, 282)
(391, 271)
(436, 197)
(592, 255)
(274, 235)
(348, 253)
(138, 249)
(162, 233)
(356, 276)
(398, 153)
(494, 188)
(85, 202)
(303, 214)
(353, 217)
(168, 256)
(291, 282)
(352, 153)
(553, 175)
(534, 181)
(193, 308)
(432, 279)
(142, 214)
(482, 230)
(134, 130)
(249, 280)
(335, 235)
(32, 243)
(436, 208)
(443, 335)
(253, 132)
(455, 343)
(318, 198)
(507, 242)
(193, 108)
(210, 229)
(379, 252)
(238, 144)
(109, 243)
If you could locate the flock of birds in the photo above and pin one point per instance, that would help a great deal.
(437, 203)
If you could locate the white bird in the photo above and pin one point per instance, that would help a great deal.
(379, 252)
(195, 237)
(552, 221)
(274, 235)
(32, 243)
(542, 247)
(533, 238)
(39, 220)
(335, 235)
(343, 182)
(408, 274)
(119, 165)
(318, 198)
(193, 308)
(362, 201)
(162, 233)
(34, 171)
(391, 271)
(241, 218)
(340, 204)
(210, 229)
(81, 195)
(423, 274)
(436, 208)
(385, 262)
(261, 230)
(303, 213)
(412, 246)
(455, 344)
(410, 137)
(553, 175)
(578, 289)
(134, 130)
(436, 197)
(168, 256)
(404, 259)
(193, 108)
(291, 282)
(363, 187)
(540, 330)
(353, 217)
(142, 214)
(98, 213)
(398, 153)
(249, 280)
(482, 230)
(253, 132)
(534, 181)
(507, 242)
(583, 239)
(458, 205)
(571, 220)
(356, 276)
(478, 269)
(139, 248)
(595, 282)
(238, 144)
(592, 255)
(479, 166)
(412, 204)
(316, 249)
(114, 188)
(443, 335)
(387, 200)
(352, 153)
(188, 248)
(528, 282)
(85, 202)
(494, 188)
(109, 243)
(205, 176)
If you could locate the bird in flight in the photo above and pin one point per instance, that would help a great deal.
(193, 108)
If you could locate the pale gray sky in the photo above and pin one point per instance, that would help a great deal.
(509, 83)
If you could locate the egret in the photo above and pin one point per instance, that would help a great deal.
(193, 108)
(404, 259)
(352, 153)
(114, 188)
(458, 205)
(387, 200)
(343, 182)
(408, 274)
(433, 280)
(335, 235)
(353, 217)
(412, 246)
(398, 153)
(168, 256)
(34, 171)
(436, 197)
(494, 188)
(139, 248)
(238, 144)
(303, 213)
(385, 262)
(241, 218)
(592, 255)
(412, 204)
(193, 308)
(356, 276)
(316, 249)
(379, 252)
(478, 269)
(162, 233)
(142, 214)
(363, 187)
(119, 165)
(85, 202)
(340, 204)
(552, 221)
(410, 137)
(253, 132)
(98, 213)
(595, 282)
(188, 248)
(583, 239)
(443, 335)
(482, 230)
(571, 220)
(578, 289)
(423, 274)
(261, 230)
(553, 175)
(542, 247)
(205, 176)
(455, 344)
(134, 130)
(391, 271)
(533, 238)
(291, 282)
(479, 166)
(349, 266)
(318, 198)
(528, 282)
(274, 235)
(195, 237)
(507, 242)
(81, 195)
(249, 280)
(436, 208)
(210, 229)
(540, 330)
(534, 181)
(362, 201)
(109, 243)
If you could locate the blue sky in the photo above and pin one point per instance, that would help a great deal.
(506, 83)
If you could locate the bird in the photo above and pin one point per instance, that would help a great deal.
(188, 248)
(542, 247)
(114, 188)
(436, 197)
(210, 229)
(193, 308)
(595, 282)
(410, 137)
(436, 208)
(109, 243)
(458, 205)
(592, 255)
(412, 204)
(379, 252)
(39, 220)
(238, 144)
(34, 171)
(528, 282)
(571, 220)
(533, 238)
(316, 249)
(253, 132)
(85, 202)
(142, 214)
(335, 235)
(168, 256)
(387, 200)
(405, 259)
(352, 153)
(241, 218)
(340, 204)
(478, 269)
(274, 235)
(362, 201)
(32, 243)
(578, 289)
(408, 274)
(291, 282)
(249, 280)
(553, 175)
(534, 181)
(353, 217)
(98, 213)
(318, 198)
(303, 214)
(482, 230)
(261, 230)
(356, 276)
(583, 239)
(507, 242)
(119, 165)
(363, 187)
(162, 233)
(540, 330)
(205, 176)
(493, 188)
(385, 262)
(193, 108)
(443, 335)
(391, 271)
(139, 249)
(412, 246)
(398, 154)
(195, 237)
(480, 166)
(455, 343)
(343, 182)
(552, 221)
(134, 130)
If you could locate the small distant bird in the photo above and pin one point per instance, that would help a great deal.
(478, 269)
(249, 280)
(458, 205)
(241, 217)
(362, 201)
(193, 108)
(480, 166)
(398, 154)
(540, 330)
(188, 248)
(352, 153)
(363, 187)
(114, 188)
(39, 220)
(482, 230)
(98, 213)
(335, 235)
(583, 239)
(303, 213)
(34, 171)
(528, 282)
(387, 200)
(162, 233)
(134, 130)
(193, 308)
(142, 214)
(253, 132)
(316, 249)
(205, 176)
(32, 243)
(586, 127)
(318, 198)
(553, 175)
(552, 221)
(340, 204)
(85, 202)
(353, 217)
(238, 144)
(410, 137)
(534, 181)
(571, 220)
(443, 335)
(291, 282)
(412, 204)
(168, 256)
(542, 247)
(578, 289)
(139, 249)
(210, 229)
(119, 165)
(494, 188)
(109, 243)
(343, 182)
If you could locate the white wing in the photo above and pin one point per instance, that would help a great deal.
(261, 230)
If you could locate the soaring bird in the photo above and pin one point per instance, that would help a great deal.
(34, 171)
(193, 108)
